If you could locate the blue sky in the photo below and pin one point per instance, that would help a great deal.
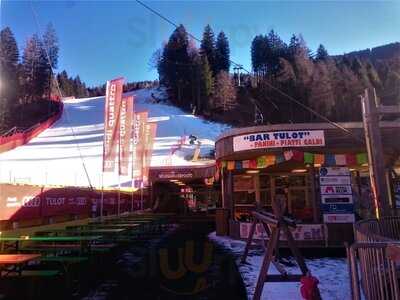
(100, 40)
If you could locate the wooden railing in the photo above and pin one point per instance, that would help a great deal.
(377, 248)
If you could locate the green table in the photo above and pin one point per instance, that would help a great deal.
(82, 231)
(14, 242)
(127, 226)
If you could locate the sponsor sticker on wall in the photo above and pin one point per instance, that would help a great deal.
(306, 232)
(279, 139)
(339, 218)
(336, 195)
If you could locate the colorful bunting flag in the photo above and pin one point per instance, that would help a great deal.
(270, 160)
(230, 165)
(298, 155)
(261, 162)
(308, 158)
(246, 164)
(265, 161)
(330, 160)
(362, 158)
(253, 164)
(319, 159)
(340, 159)
(351, 159)
(280, 158)
(288, 154)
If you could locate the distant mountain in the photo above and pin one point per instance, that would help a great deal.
(385, 52)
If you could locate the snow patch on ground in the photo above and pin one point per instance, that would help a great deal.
(56, 156)
(331, 272)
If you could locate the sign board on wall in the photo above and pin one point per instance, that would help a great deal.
(305, 232)
(336, 195)
(329, 199)
(279, 139)
(335, 190)
(339, 218)
(335, 180)
(338, 208)
(334, 171)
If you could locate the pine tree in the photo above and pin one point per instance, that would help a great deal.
(259, 51)
(224, 97)
(176, 66)
(207, 47)
(322, 53)
(50, 44)
(277, 49)
(222, 53)
(206, 83)
(35, 69)
(9, 56)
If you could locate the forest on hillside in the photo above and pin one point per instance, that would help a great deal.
(30, 83)
(198, 78)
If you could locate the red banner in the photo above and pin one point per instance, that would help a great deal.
(140, 120)
(111, 123)
(150, 135)
(125, 134)
(24, 202)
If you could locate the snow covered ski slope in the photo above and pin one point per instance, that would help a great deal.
(57, 155)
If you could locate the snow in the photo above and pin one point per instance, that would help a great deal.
(332, 273)
(57, 155)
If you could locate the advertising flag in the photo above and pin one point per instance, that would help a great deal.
(139, 122)
(111, 123)
(125, 133)
(150, 135)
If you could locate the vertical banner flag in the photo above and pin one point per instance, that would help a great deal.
(150, 135)
(125, 134)
(139, 122)
(111, 123)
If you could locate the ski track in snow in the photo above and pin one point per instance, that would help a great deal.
(53, 157)
(332, 274)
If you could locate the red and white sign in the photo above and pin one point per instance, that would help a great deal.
(150, 135)
(125, 134)
(111, 123)
(140, 119)
(279, 139)
(339, 218)
(335, 180)
(336, 190)
(304, 232)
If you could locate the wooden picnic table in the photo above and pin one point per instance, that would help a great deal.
(14, 263)
(107, 226)
(14, 242)
(82, 231)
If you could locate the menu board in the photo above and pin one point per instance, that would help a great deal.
(336, 195)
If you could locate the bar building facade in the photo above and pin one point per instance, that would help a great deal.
(321, 169)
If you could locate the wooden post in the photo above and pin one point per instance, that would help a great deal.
(375, 153)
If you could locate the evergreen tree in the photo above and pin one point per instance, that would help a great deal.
(207, 47)
(222, 53)
(259, 51)
(9, 56)
(176, 66)
(206, 83)
(277, 49)
(224, 97)
(35, 68)
(50, 44)
(322, 53)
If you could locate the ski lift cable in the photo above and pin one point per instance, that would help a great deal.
(36, 18)
(304, 106)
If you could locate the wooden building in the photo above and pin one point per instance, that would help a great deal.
(184, 189)
(321, 169)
